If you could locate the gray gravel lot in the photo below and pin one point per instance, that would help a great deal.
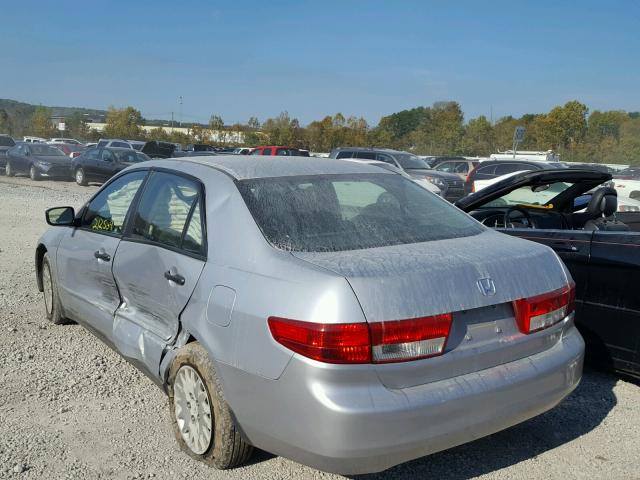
(71, 408)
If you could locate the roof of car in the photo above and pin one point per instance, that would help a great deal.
(246, 167)
(370, 149)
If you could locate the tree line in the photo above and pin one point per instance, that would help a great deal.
(440, 129)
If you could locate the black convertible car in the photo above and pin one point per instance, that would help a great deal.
(575, 212)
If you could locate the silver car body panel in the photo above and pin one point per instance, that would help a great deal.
(340, 418)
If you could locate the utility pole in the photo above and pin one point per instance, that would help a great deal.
(171, 122)
(180, 113)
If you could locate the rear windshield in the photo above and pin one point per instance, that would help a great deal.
(6, 141)
(325, 213)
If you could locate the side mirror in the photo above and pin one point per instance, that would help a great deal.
(60, 216)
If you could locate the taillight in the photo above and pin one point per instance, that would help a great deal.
(402, 340)
(542, 311)
(326, 342)
(380, 342)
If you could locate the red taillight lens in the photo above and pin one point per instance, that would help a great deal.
(402, 340)
(326, 342)
(380, 342)
(542, 311)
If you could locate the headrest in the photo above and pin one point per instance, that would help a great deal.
(604, 201)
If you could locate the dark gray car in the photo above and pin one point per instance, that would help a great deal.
(6, 142)
(451, 185)
(38, 160)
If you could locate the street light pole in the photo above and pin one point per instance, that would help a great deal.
(180, 112)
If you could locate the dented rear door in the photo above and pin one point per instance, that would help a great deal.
(157, 266)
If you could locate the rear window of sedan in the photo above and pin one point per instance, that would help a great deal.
(324, 213)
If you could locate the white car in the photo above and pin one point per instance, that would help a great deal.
(423, 182)
(480, 184)
(627, 189)
(71, 141)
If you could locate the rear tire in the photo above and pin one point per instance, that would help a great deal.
(225, 447)
(8, 170)
(52, 308)
(80, 178)
(34, 174)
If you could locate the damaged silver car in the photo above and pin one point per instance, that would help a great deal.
(331, 312)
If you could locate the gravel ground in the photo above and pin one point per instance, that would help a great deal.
(72, 408)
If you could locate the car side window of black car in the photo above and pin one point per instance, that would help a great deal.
(485, 172)
(107, 212)
(169, 213)
(106, 156)
(92, 154)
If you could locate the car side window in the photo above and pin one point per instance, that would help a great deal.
(107, 212)
(169, 213)
(257, 151)
(382, 157)
(93, 154)
(266, 151)
(485, 172)
(445, 167)
(344, 155)
(509, 168)
(106, 156)
(461, 167)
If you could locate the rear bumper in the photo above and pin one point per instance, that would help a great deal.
(351, 424)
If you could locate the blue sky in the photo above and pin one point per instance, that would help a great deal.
(368, 58)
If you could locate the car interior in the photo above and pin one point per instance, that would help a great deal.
(570, 209)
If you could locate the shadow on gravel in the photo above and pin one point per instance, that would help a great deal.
(577, 415)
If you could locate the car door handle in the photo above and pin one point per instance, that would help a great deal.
(102, 255)
(174, 277)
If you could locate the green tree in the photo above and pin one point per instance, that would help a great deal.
(124, 123)
(478, 137)
(200, 134)
(76, 126)
(6, 125)
(41, 125)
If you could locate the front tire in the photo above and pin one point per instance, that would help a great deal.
(34, 174)
(80, 177)
(8, 170)
(202, 421)
(52, 308)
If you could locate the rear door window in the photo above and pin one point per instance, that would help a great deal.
(170, 213)
(266, 151)
(344, 155)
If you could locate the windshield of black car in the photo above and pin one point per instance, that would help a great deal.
(540, 195)
(6, 141)
(45, 150)
(409, 161)
(324, 213)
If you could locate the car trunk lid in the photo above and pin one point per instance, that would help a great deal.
(431, 278)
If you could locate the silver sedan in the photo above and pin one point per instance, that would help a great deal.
(331, 312)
